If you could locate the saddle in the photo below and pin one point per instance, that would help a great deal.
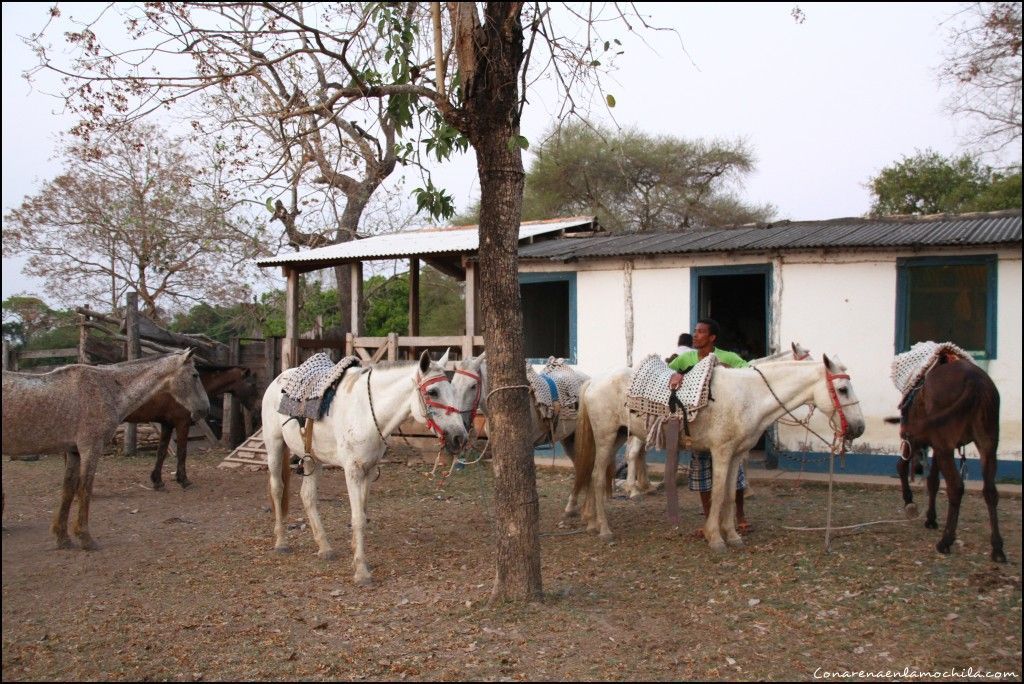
(310, 388)
(556, 389)
(649, 395)
(910, 368)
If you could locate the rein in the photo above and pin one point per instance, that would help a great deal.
(476, 401)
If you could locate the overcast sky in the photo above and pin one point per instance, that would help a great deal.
(825, 104)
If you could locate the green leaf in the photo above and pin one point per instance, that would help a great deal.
(610, 99)
(270, 204)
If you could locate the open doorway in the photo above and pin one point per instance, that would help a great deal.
(737, 297)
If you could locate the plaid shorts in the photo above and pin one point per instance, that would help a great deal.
(700, 473)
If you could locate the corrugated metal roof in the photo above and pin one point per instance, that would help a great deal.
(459, 240)
(851, 233)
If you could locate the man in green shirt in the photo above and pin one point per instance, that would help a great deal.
(704, 336)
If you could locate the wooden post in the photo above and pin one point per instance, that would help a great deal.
(467, 345)
(83, 339)
(290, 346)
(7, 356)
(392, 346)
(414, 296)
(270, 357)
(350, 344)
(356, 276)
(133, 351)
(231, 419)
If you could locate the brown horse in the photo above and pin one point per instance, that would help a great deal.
(163, 409)
(76, 409)
(957, 403)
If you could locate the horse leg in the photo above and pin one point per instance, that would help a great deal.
(719, 486)
(988, 473)
(309, 489)
(157, 476)
(671, 428)
(181, 447)
(732, 537)
(277, 464)
(72, 462)
(903, 470)
(572, 506)
(930, 519)
(955, 493)
(354, 477)
(90, 460)
(637, 482)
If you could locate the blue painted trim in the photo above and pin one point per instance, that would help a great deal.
(903, 264)
(817, 462)
(568, 277)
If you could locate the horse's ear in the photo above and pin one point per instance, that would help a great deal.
(189, 353)
(829, 363)
(796, 349)
(443, 361)
(424, 362)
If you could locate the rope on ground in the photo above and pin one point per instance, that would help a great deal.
(845, 527)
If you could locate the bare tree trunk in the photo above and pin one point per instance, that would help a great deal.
(492, 107)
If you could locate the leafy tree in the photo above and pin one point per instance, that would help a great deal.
(984, 69)
(634, 181)
(461, 87)
(929, 183)
(139, 211)
(387, 304)
(29, 323)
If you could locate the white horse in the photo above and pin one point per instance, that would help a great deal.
(471, 389)
(370, 403)
(76, 409)
(747, 401)
(638, 481)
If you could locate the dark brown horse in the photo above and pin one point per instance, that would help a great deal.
(957, 404)
(171, 415)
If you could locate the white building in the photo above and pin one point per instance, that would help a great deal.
(862, 289)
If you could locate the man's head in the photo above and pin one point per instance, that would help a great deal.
(705, 333)
(685, 340)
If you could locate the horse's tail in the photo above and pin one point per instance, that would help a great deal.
(585, 451)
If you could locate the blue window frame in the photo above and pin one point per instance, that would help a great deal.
(947, 299)
(753, 305)
(549, 315)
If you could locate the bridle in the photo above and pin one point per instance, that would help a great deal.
(429, 403)
(839, 437)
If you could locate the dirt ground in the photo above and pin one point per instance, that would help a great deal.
(185, 587)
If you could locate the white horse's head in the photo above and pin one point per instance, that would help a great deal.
(436, 405)
(182, 381)
(470, 385)
(836, 398)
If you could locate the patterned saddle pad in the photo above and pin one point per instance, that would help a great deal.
(909, 368)
(308, 390)
(556, 389)
(649, 393)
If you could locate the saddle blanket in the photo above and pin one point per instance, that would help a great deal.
(909, 368)
(649, 393)
(556, 389)
(308, 390)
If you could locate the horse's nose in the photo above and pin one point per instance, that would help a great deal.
(457, 441)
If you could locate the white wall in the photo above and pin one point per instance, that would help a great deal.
(843, 305)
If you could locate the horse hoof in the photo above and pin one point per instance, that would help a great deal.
(159, 486)
(328, 555)
(606, 536)
(282, 549)
(931, 524)
(89, 545)
(64, 544)
(363, 580)
(636, 495)
(718, 546)
(998, 556)
(943, 547)
(185, 484)
(910, 510)
(571, 514)
(735, 543)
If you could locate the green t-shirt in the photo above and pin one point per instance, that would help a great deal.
(685, 362)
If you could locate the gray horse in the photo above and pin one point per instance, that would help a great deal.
(76, 409)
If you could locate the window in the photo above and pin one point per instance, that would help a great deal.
(549, 315)
(947, 300)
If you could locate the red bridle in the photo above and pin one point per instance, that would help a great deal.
(429, 403)
(830, 379)
(476, 400)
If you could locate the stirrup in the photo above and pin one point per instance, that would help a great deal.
(298, 462)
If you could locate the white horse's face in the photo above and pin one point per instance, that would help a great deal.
(186, 387)
(435, 404)
(845, 403)
(469, 385)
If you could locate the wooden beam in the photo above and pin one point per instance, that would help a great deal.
(414, 296)
(289, 350)
(449, 268)
(356, 272)
(133, 350)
